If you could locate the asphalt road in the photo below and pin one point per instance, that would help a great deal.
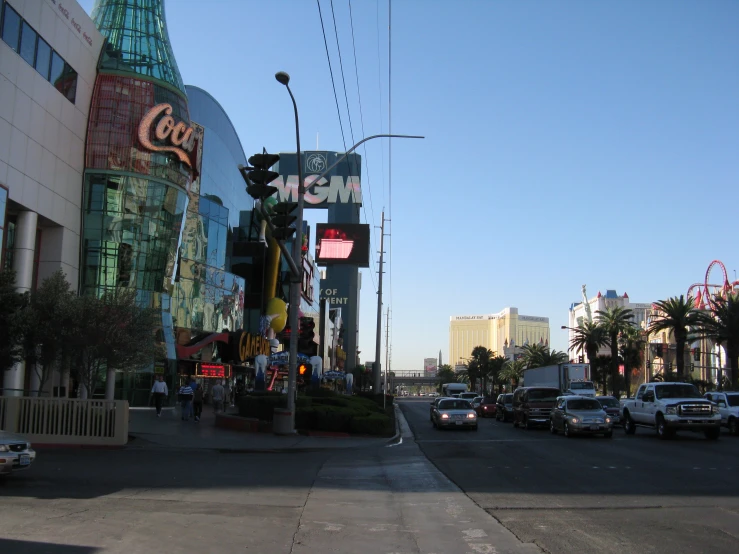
(590, 494)
(371, 500)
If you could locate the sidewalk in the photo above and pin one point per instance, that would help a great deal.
(146, 430)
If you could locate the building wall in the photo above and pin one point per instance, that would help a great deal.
(494, 331)
(42, 132)
(601, 302)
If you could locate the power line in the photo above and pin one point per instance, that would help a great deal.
(341, 65)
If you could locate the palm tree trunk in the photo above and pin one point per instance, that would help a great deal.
(680, 358)
(614, 365)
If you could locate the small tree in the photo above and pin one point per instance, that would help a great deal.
(614, 320)
(11, 303)
(109, 333)
(678, 317)
(721, 326)
(445, 374)
(44, 320)
(512, 372)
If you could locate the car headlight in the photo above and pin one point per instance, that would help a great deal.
(574, 420)
(608, 420)
(714, 409)
(671, 410)
(471, 415)
(444, 416)
(4, 448)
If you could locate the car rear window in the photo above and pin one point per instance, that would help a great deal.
(543, 395)
(608, 402)
(583, 404)
(454, 405)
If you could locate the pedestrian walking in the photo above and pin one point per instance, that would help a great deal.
(185, 395)
(160, 392)
(218, 393)
(197, 402)
(194, 386)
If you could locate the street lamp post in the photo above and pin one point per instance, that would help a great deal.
(296, 268)
(297, 280)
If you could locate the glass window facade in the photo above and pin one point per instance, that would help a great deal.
(3, 209)
(22, 38)
(28, 44)
(11, 27)
(118, 106)
(130, 233)
(137, 39)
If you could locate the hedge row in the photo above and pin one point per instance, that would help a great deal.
(325, 412)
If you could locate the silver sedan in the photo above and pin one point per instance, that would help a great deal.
(453, 412)
(580, 415)
(15, 453)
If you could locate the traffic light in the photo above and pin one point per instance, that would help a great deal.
(692, 366)
(302, 368)
(581, 359)
(670, 366)
(282, 219)
(697, 355)
(306, 334)
(258, 177)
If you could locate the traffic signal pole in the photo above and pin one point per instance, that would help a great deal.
(378, 337)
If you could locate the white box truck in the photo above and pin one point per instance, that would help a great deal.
(569, 378)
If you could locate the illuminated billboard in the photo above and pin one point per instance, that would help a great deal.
(342, 243)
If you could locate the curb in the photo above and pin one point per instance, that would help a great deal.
(396, 438)
(54, 446)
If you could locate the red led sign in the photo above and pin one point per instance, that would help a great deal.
(213, 371)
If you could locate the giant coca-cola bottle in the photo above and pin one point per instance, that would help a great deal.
(140, 156)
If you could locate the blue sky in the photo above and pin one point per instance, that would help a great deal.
(566, 142)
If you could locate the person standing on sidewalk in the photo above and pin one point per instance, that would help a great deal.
(194, 386)
(160, 392)
(218, 393)
(185, 395)
(197, 401)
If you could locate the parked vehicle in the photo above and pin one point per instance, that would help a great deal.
(728, 407)
(450, 412)
(669, 407)
(487, 407)
(16, 453)
(533, 405)
(580, 415)
(612, 407)
(449, 389)
(504, 407)
(567, 378)
(433, 407)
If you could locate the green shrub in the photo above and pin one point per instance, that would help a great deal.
(261, 407)
(378, 398)
(333, 419)
(374, 424)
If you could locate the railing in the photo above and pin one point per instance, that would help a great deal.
(66, 421)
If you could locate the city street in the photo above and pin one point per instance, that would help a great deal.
(591, 494)
(160, 498)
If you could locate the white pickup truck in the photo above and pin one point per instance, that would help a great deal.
(728, 407)
(669, 407)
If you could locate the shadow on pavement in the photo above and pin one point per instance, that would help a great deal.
(32, 547)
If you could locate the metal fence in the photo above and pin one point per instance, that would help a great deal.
(66, 421)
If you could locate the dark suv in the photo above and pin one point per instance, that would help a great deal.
(504, 407)
(532, 406)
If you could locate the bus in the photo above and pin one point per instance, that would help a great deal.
(449, 389)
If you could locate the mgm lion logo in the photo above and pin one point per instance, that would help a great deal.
(316, 163)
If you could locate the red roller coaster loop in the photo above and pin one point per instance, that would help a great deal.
(707, 292)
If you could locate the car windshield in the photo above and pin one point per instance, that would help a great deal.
(583, 404)
(581, 386)
(543, 395)
(682, 390)
(454, 405)
(732, 399)
(508, 398)
(608, 402)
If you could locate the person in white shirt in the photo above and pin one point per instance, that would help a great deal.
(217, 393)
(160, 392)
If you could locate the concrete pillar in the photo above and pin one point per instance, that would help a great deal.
(110, 384)
(35, 382)
(24, 249)
(23, 254)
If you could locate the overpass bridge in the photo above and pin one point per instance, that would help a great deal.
(411, 379)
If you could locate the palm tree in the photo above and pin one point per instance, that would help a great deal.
(614, 320)
(479, 365)
(495, 366)
(631, 343)
(678, 316)
(512, 372)
(588, 338)
(722, 327)
(538, 355)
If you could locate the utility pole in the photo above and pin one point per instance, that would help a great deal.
(387, 354)
(378, 337)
